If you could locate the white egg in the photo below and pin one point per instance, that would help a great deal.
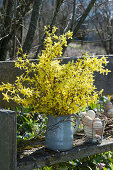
(83, 113)
(97, 123)
(97, 119)
(110, 113)
(91, 114)
(88, 131)
(97, 126)
(108, 105)
(97, 139)
(87, 121)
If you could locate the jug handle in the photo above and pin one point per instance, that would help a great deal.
(77, 122)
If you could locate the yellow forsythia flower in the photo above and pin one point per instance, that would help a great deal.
(51, 87)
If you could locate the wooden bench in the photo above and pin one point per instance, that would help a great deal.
(41, 157)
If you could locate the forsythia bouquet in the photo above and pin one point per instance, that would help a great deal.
(52, 88)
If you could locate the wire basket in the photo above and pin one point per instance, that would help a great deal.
(94, 130)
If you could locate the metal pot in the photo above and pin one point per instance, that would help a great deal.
(59, 133)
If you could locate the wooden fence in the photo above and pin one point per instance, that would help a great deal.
(8, 150)
(42, 157)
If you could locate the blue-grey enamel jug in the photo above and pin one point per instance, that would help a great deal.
(59, 133)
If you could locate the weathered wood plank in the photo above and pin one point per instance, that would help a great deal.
(44, 157)
(8, 151)
(8, 73)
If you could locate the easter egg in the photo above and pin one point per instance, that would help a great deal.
(97, 122)
(87, 121)
(97, 126)
(83, 113)
(110, 113)
(108, 105)
(91, 114)
(88, 131)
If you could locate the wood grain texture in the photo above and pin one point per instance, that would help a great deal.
(44, 157)
(8, 151)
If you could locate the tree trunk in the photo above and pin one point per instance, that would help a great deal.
(32, 26)
(58, 5)
(110, 46)
(6, 30)
(4, 49)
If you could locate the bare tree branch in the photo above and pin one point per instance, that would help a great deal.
(58, 5)
(70, 23)
(73, 16)
(81, 21)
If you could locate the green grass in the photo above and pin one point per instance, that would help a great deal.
(75, 49)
